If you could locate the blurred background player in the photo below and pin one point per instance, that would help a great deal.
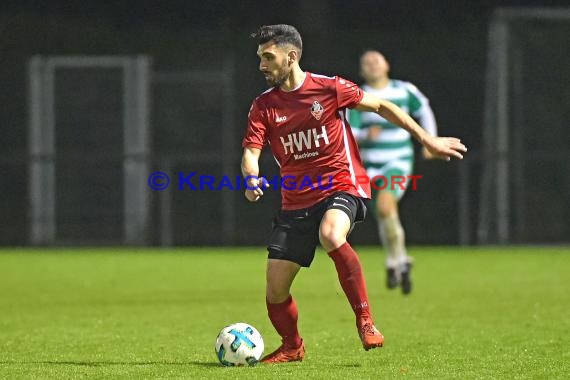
(387, 150)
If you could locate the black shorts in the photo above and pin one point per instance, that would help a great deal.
(295, 234)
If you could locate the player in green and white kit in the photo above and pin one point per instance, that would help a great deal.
(387, 151)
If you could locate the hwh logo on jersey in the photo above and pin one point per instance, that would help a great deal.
(304, 140)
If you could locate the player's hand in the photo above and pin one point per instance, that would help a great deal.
(445, 147)
(255, 184)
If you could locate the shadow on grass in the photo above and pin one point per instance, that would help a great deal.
(208, 364)
(112, 363)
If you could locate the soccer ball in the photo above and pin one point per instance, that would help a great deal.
(239, 344)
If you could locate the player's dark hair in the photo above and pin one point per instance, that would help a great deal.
(281, 34)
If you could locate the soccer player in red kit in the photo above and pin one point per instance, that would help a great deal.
(302, 117)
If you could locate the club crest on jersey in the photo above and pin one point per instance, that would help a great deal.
(317, 110)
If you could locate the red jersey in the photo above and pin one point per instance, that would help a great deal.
(311, 140)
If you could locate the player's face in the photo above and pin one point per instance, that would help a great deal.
(373, 66)
(274, 63)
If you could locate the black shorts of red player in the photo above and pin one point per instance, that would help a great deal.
(295, 234)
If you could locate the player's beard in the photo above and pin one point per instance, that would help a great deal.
(280, 77)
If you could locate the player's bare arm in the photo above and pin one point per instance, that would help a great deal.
(250, 167)
(441, 147)
(429, 114)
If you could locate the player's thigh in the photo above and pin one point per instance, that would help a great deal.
(280, 276)
(386, 204)
(334, 228)
(389, 185)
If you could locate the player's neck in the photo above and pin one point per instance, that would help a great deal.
(295, 79)
(380, 83)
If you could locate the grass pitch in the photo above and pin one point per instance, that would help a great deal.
(123, 313)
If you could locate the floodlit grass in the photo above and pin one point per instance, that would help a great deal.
(125, 313)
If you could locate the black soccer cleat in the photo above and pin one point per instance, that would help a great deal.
(407, 279)
(392, 278)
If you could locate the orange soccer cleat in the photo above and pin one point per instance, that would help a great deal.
(369, 335)
(285, 354)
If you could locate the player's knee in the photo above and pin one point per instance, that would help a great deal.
(276, 294)
(386, 205)
(331, 238)
(383, 210)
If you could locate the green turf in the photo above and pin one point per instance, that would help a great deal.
(104, 313)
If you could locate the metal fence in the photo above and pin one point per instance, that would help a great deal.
(524, 185)
(91, 151)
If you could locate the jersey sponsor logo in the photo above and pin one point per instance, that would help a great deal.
(317, 110)
(302, 156)
(280, 119)
(298, 142)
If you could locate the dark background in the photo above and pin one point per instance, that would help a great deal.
(440, 46)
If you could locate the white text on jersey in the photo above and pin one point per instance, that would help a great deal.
(304, 140)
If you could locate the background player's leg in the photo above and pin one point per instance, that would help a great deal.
(281, 306)
(393, 238)
(389, 227)
(333, 230)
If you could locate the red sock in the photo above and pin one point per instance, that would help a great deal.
(283, 316)
(351, 279)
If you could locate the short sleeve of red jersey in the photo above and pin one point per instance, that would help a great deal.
(255, 135)
(348, 94)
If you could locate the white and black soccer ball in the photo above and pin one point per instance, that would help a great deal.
(239, 344)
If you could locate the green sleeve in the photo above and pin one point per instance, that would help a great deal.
(354, 119)
(414, 103)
